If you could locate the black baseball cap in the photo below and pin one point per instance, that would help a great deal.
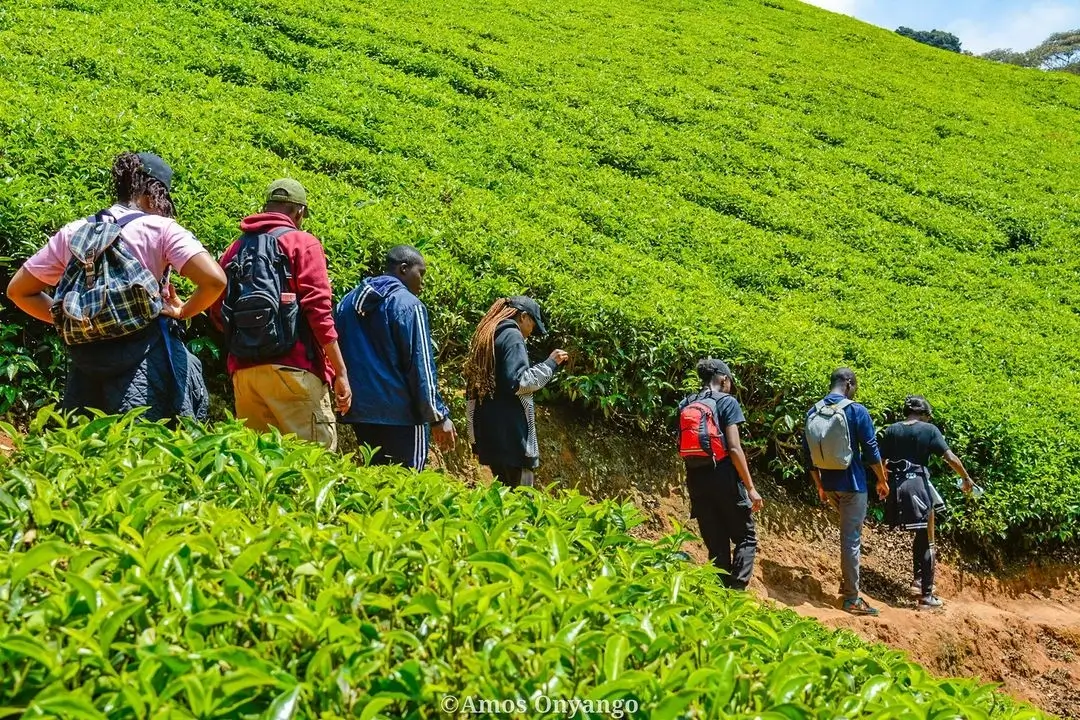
(156, 168)
(527, 304)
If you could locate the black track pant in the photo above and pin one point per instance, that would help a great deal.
(405, 445)
(922, 556)
(513, 476)
(722, 507)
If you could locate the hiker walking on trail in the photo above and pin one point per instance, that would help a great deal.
(722, 494)
(386, 342)
(839, 439)
(277, 316)
(499, 386)
(914, 502)
(113, 305)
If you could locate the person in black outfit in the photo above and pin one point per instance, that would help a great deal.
(499, 387)
(907, 447)
(722, 494)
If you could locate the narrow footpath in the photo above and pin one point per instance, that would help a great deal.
(1021, 631)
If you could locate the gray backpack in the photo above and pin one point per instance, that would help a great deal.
(828, 436)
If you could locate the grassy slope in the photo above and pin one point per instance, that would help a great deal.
(830, 192)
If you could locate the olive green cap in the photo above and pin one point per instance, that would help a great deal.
(287, 190)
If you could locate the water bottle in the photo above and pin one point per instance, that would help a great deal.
(976, 491)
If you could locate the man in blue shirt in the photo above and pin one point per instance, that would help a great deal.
(386, 341)
(846, 489)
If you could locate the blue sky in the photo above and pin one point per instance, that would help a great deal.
(981, 25)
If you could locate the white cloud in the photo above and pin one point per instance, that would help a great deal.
(1020, 29)
(844, 7)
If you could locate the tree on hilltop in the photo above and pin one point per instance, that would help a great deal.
(1060, 51)
(935, 38)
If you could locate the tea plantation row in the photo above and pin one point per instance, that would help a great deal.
(147, 573)
(788, 188)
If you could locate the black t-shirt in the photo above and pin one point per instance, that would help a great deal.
(914, 442)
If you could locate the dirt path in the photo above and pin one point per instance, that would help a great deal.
(1000, 631)
(1022, 632)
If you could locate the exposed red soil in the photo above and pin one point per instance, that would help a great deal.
(1021, 631)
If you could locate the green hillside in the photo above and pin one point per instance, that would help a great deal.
(217, 574)
(789, 188)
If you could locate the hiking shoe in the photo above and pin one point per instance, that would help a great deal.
(860, 607)
(930, 602)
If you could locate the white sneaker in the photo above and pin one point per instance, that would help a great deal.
(930, 602)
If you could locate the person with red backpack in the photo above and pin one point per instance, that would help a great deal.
(722, 494)
(277, 316)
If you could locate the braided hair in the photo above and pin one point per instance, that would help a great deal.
(480, 362)
(917, 405)
(129, 182)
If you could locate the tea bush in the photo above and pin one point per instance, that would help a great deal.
(789, 188)
(216, 573)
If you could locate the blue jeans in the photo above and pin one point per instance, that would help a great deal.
(852, 507)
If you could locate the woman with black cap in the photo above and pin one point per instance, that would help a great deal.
(499, 385)
(907, 447)
(112, 309)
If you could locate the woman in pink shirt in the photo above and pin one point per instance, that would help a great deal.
(150, 367)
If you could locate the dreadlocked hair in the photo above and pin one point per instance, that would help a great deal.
(480, 362)
(129, 181)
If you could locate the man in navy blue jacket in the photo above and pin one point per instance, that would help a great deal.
(384, 334)
(846, 489)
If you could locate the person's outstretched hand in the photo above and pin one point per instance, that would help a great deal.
(559, 356)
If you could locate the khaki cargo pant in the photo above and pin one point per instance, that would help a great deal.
(290, 399)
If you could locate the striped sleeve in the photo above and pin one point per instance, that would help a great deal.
(424, 377)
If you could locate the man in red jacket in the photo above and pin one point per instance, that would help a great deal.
(292, 392)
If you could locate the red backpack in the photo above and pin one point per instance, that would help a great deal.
(700, 438)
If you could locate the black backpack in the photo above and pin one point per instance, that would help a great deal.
(259, 323)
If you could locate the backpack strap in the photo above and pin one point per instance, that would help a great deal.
(277, 234)
(843, 404)
(249, 238)
(130, 217)
(714, 402)
(106, 216)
